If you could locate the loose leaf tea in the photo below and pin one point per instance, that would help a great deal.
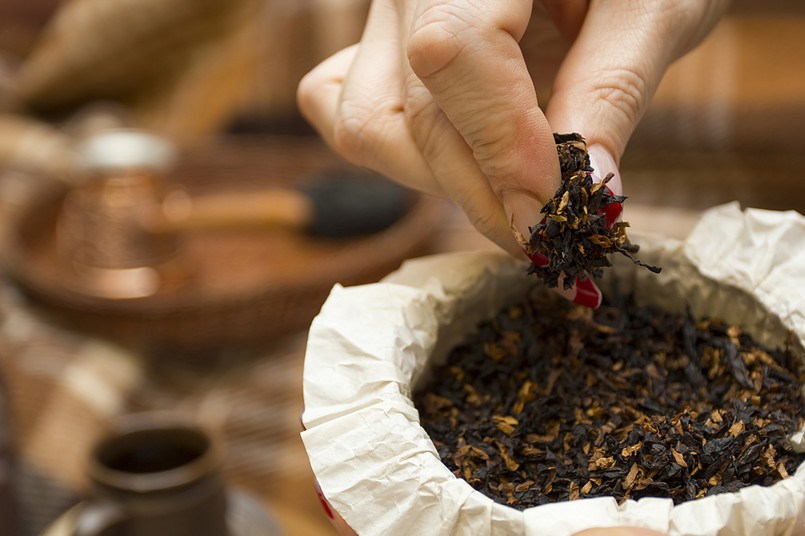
(573, 233)
(550, 401)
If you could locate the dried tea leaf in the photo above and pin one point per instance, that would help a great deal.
(629, 481)
(510, 463)
(602, 463)
(573, 492)
(626, 452)
(782, 470)
(505, 424)
(525, 394)
(737, 428)
(679, 458)
(535, 438)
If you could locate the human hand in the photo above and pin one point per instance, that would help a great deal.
(439, 96)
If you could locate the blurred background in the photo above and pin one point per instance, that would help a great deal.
(184, 273)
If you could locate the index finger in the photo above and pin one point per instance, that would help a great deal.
(467, 55)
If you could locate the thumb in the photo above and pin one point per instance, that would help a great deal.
(615, 65)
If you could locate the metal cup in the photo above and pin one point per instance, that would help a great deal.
(154, 475)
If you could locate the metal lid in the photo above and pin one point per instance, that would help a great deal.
(117, 149)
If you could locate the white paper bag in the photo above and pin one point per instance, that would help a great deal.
(370, 344)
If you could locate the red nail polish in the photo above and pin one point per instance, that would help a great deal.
(612, 211)
(324, 502)
(539, 259)
(587, 294)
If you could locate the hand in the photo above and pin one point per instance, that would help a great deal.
(439, 95)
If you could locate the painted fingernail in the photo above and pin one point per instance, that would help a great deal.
(324, 502)
(612, 211)
(587, 294)
(603, 164)
(538, 258)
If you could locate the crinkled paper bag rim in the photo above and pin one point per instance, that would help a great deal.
(369, 345)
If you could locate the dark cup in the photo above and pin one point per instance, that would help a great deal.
(154, 475)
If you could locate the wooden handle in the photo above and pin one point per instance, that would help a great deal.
(286, 208)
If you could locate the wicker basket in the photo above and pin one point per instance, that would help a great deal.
(247, 286)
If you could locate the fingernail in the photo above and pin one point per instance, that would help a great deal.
(612, 211)
(587, 294)
(522, 210)
(603, 164)
(538, 258)
(324, 502)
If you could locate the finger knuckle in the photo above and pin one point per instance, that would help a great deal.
(437, 39)
(350, 134)
(422, 116)
(308, 92)
(358, 128)
(622, 91)
(494, 154)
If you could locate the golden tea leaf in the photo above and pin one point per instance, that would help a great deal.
(525, 394)
(736, 428)
(782, 470)
(528, 450)
(626, 452)
(629, 481)
(602, 463)
(505, 424)
(520, 238)
(679, 458)
(511, 465)
(768, 456)
(573, 493)
(494, 352)
(601, 240)
(473, 398)
(563, 202)
(734, 333)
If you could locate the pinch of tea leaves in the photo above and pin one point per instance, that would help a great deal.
(572, 232)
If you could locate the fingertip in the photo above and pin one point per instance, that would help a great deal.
(587, 293)
(603, 163)
(583, 292)
(538, 259)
